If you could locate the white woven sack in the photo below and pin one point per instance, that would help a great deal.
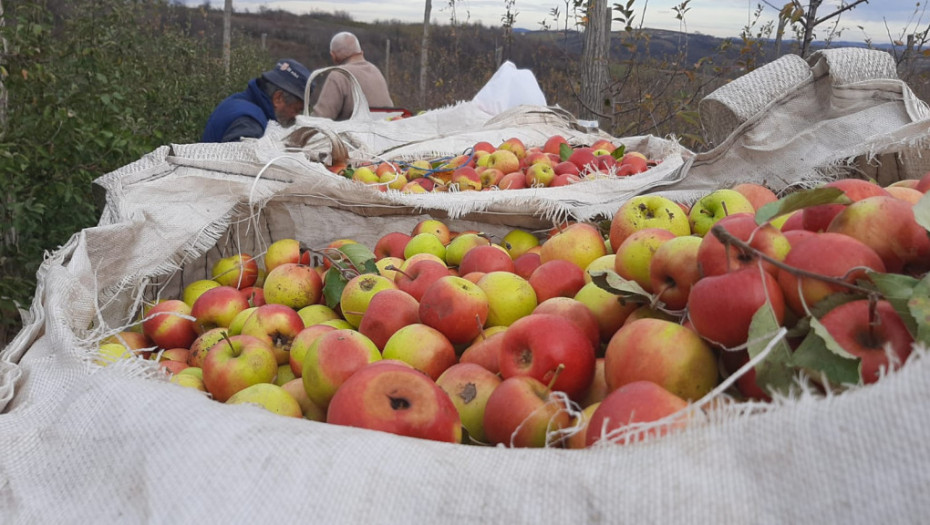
(794, 124)
(83, 444)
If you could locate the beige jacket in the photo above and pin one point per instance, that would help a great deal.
(335, 100)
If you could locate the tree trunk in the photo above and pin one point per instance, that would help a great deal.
(227, 35)
(594, 60)
(424, 54)
(4, 97)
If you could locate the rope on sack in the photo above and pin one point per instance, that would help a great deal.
(361, 108)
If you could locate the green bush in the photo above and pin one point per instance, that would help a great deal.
(93, 86)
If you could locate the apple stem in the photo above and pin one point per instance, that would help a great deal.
(393, 268)
(726, 212)
(555, 376)
(728, 239)
(339, 261)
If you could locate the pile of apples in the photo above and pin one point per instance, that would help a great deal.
(509, 165)
(562, 338)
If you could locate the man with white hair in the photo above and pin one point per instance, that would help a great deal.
(335, 100)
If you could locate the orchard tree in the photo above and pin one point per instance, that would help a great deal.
(806, 18)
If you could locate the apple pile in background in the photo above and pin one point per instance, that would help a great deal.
(560, 338)
(509, 165)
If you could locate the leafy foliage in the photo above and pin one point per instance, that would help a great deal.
(93, 85)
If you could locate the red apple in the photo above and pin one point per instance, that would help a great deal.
(551, 349)
(526, 264)
(422, 347)
(554, 144)
(831, 255)
(393, 397)
(485, 351)
(217, 307)
(556, 278)
(418, 276)
(576, 312)
(758, 194)
(638, 402)
(721, 307)
(817, 218)
(715, 257)
(515, 180)
(235, 363)
(331, 359)
(389, 311)
(889, 227)
(301, 344)
(664, 352)
(391, 244)
(674, 269)
(277, 325)
(169, 324)
(489, 258)
(879, 338)
(523, 412)
(456, 307)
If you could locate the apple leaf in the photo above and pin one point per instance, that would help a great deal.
(610, 281)
(774, 373)
(800, 200)
(819, 352)
(919, 309)
(362, 258)
(565, 151)
(333, 284)
(618, 152)
(922, 211)
(899, 290)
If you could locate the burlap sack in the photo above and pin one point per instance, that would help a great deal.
(80, 443)
(793, 124)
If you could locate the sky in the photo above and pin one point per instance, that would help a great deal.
(880, 20)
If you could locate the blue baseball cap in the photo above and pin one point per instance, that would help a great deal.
(289, 75)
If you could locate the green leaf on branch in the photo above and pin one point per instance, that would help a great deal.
(333, 284)
(348, 260)
(918, 307)
(820, 353)
(361, 258)
(898, 290)
(774, 373)
(800, 200)
(608, 280)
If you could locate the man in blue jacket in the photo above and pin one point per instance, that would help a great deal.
(275, 95)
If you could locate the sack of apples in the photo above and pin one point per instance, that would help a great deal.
(535, 358)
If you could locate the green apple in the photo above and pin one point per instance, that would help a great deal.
(647, 211)
(271, 397)
(714, 206)
(425, 243)
(358, 293)
(634, 256)
(510, 297)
